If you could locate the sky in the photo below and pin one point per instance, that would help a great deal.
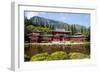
(70, 18)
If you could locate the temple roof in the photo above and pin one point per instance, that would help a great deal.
(78, 33)
(36, 31)
(60, 30)
(77, 36)
(46, 35)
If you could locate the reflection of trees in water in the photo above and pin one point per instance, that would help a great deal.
(35, 49)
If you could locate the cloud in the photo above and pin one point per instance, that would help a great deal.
(31, 14)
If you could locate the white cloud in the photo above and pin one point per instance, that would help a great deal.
(31, 14)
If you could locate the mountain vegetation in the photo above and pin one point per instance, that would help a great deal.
(47, 25)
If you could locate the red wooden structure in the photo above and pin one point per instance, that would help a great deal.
(55, 36)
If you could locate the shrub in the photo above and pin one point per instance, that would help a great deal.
(39, 57)
(76, 55)
(60, 55)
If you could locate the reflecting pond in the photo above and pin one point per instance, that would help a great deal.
(33, 49)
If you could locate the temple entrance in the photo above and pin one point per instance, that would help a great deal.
(61, 38)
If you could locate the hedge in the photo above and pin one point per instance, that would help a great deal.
(76, 55)
(59, 55)
(39, 57)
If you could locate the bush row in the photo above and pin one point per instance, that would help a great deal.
(59, 55)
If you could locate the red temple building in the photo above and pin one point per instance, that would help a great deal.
(61, 35)
(57, 35)
(78, 37)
